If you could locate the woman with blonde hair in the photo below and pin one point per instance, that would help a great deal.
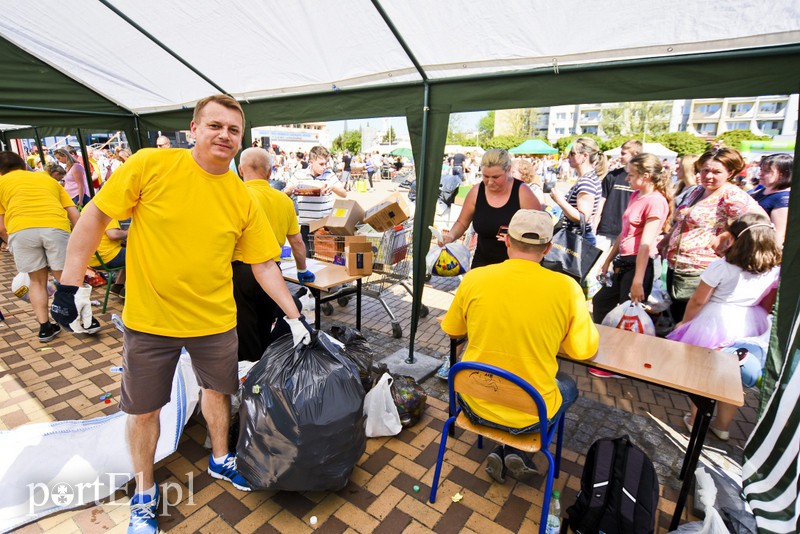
(687, 177)
(75, 181)
(489, 208)
(523, 170)
(583, 198)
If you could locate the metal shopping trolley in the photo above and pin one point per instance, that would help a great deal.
(391, 265)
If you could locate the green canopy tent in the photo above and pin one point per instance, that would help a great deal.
(534, 147)
(153, 68)
(402, 152)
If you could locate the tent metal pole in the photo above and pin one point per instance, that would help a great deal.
(65, 111)
(416, 304)
(40, 147)
(400, 40)
(86, 164)
(161, 45)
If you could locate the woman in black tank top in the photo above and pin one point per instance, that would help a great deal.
(489, 208)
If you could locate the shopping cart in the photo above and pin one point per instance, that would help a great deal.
(391, 265)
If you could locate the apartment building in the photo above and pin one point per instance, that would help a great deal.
(774, 115)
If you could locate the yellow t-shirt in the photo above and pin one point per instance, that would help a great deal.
(108, 248)
(517, 314)
(33, 200)
(278, 208)
(186, 223)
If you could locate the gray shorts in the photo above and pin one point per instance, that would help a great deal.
(149, 362)
(37, 248)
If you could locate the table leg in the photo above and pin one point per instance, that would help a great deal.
(317, 308)
(705, 409)
(358, 304)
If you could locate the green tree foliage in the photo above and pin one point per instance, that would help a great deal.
(350, 140)
(614, 142)
(732, 138)
(503, 141)
(389, 136)
(682, 142)
(486, 126)
(460, 138)
(643, 120)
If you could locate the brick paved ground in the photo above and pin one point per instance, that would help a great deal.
(63, 379)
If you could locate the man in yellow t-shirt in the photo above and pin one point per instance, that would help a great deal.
(517, 314)
(188, 212)
(36, 215)
(255, 310)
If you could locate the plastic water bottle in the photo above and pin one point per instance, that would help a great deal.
(554, 514)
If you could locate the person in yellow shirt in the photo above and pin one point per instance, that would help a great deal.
(188, 213)
(36, 215)
(517, 314)
(255, 310)
(112, 253)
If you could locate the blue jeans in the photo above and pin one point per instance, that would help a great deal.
(118, 261)
(569, 394)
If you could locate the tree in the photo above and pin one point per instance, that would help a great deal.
(614, 142)
(732, 138)
(682, 142)
(642, 120)
(389, 137)
(486, 126)
(350, 140)
(503, 141)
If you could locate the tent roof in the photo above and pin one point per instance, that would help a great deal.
(139, 57)
(534, 146)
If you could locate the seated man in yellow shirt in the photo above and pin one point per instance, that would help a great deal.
(517, 314)
(112, 253)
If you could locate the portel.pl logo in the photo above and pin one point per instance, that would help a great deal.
(62, 494)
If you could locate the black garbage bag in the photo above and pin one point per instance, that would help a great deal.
(357, 348)
(301, 418)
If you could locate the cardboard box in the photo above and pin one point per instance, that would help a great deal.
(344, 216)
(308, 188)
(358, 256)
(313, 226)
(393, 210)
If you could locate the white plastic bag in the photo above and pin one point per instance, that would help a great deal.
(382, 416)
(631, 317)
(449, 260)
(659, 299)
(707, 491)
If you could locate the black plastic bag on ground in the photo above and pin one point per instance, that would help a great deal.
(301, 418)
(357, 348)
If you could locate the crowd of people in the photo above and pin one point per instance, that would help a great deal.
(721, 245)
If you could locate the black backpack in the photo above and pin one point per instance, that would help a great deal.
(619, 490)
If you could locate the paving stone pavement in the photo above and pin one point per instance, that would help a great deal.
(63, 379)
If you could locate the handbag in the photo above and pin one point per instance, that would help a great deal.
(571, 253)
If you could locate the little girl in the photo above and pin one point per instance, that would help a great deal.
(724, 307)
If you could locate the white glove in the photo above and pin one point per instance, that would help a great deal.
(83, 304)
(300, 334)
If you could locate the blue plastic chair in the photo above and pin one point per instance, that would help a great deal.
(490, 383)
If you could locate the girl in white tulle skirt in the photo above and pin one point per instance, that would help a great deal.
(725, 306)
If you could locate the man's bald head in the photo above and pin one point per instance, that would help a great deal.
(163, 142)
(255, 164)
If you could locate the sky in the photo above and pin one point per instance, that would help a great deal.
(468, 122)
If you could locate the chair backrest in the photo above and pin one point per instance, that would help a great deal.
(492, 384)
(103, 266)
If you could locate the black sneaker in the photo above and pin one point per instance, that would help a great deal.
(94, 327)
(520, 465)
(495, 464)
(48, 331)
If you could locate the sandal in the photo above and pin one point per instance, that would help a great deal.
(722, 435)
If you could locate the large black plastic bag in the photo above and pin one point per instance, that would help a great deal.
(358, 350)
(302, 422)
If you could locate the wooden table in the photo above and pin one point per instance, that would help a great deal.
(329, 276)
(707, 376)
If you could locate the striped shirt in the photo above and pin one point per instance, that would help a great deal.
(588, 183)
